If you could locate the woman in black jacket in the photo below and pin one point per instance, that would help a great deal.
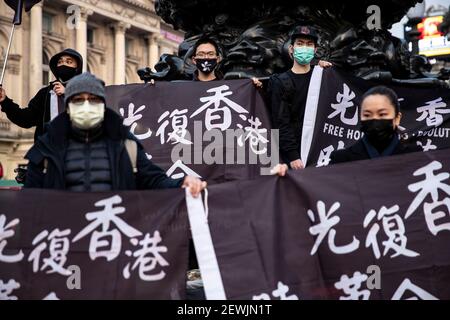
(380, 119)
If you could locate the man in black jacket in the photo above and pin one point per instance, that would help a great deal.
(88, 148)
(380, 119)
(289, 92)
(48, 102)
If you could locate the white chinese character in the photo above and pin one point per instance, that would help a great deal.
(352, 286)
(325, 227)
(428, 146)
(419, 293)
(132, 118)
(103, 218)
(325, 154)
(51, 297)
(344, 102)
(393, 227)
(255, 134)
(185, 171)
(58, 248)
(7, 288)
(148, 257)
(430, 186)
(432, 217)
(281, 292)
(6, 231)
(219, 114)
(179, 124)
(432, 112)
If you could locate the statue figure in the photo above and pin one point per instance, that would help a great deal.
(254, 38)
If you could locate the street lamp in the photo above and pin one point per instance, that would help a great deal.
(415, 16)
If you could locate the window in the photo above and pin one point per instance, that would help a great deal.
(45, 69)
(128, 46)
(47, 22)
(90, 35)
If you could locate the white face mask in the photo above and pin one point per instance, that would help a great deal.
(86, 116)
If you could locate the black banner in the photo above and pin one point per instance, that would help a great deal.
(129, 245)
(426, 115)
(222, 127)
(365, 230)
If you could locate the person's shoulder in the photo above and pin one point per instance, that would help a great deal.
(282, 82)
(42, 93)
(44, 90)
(280, 76)
(409, 146)
(351, 153)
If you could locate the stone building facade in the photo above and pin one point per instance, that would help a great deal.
(115, 37)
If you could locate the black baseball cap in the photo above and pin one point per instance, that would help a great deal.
(304, 31)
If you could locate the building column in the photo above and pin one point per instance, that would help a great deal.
(119, 52)
(81, 34)
(153, 50)
(35, 77)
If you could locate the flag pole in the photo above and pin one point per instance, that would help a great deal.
(7, 54)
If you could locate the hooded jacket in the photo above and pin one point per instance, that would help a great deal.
(37, 114)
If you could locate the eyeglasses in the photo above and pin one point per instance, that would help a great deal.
(202, 55)
(80, 101)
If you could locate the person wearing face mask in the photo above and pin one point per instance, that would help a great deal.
(289, 91)
(88, 149)
(48, 102)
(206, 57)
(380, 120)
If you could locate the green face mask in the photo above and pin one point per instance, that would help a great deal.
(304, 55)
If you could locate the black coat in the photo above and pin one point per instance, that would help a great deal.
(288, 93)
(37, 114)
(358, 151)
(53, 146)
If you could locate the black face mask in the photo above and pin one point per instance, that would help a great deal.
(379, 132)
(65, 73)
(206, 65)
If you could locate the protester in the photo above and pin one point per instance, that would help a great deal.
(44, 106)
(288, 93)
(380, 120)
(206, 57)
(87, 148)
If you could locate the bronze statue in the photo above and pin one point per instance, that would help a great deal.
(254, 38)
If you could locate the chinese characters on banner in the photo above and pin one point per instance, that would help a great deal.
(425, 115)
(329, 233)
(164, 121)
(308, 239)
(112, 244)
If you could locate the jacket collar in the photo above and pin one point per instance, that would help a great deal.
(217, 73)
(374, 153)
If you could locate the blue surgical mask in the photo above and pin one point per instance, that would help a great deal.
(304, 55)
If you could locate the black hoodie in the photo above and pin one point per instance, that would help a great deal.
(68, 52)
(37, 114)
